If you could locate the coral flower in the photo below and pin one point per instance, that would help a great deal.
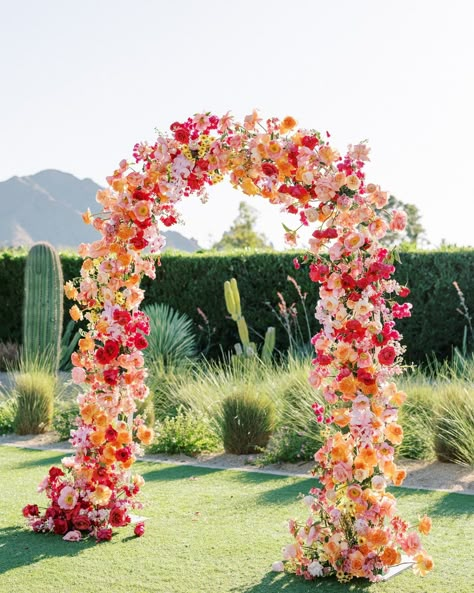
(423, 564)
(145, 434)
(287, 124)
(101, 495)
(424, 526)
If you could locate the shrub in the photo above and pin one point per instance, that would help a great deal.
(34, 392)
(171, 340)
(186, 433)
(454, 436)
(287, 445)
(248, 419)
(7, 416)
(64, 420)
(9, 355)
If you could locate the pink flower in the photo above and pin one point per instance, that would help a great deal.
(68, 498)
(104, 534)
(78, 375)
(399, 220)
(72, 536)
(278, 566)
(387, 355)
(411, 544)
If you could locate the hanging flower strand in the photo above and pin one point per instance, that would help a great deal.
(353, 528)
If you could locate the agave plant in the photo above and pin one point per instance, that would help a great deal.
(172, 340)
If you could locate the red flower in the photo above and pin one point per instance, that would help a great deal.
(51, 513)
(123, 454)
(140, 342)
(318, 273)
(104, 534)
(139, 242)
(111, 376)
(55, 472)
(269, 169)
(387, 355)
(31, 510)
(60, 526)
(309, 141)
(110, 434)
(181, 135)
(101, 356)
(139, 529)
(112, 349)
(365, 377)
(169, 220)
(122, 317)
(118, 517)
(82, 522)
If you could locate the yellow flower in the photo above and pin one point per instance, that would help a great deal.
(75, 313)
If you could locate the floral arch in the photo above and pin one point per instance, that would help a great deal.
(353, 528)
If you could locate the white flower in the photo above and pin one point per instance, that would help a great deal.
(278, 566)
(308, 500)
(315, 569)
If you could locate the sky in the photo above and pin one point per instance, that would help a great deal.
(82, 82)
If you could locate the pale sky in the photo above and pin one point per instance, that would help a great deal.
(82, 82)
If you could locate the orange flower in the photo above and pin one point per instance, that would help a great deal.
(367, 457)
(398, 398)
(394, 433)
(424, 526)
(88, 412)
(87, 216)
(390, 557)
(341, 417)
(287, 124)
(86, 344)
(75, 313)
(357, 560)
(124, 437)
(249, 187)
(101, 495)
(423, 564)
(399, 477)
(70, 291)
(97, 437)
(376, 538)
(108, 454)
(145, 434)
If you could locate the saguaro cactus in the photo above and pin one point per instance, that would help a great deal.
(43, 306)
(246, 348)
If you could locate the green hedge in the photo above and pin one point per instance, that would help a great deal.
(187, 282)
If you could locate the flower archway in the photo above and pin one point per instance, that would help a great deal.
(353, 528)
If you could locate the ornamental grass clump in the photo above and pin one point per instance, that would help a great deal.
(454, 431)
(248, 419)
(417, 420)
(34, 393)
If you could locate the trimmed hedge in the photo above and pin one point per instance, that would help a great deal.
(189, 281)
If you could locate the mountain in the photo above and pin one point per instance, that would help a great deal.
(47, 206)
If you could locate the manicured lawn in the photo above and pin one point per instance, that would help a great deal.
(208, 531)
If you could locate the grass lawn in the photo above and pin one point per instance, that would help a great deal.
(208, 531)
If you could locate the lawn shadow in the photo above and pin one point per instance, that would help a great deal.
(448, 504)
(278, 494)
(278, 583)
(165, 473)
(46, 461)
(22, 547)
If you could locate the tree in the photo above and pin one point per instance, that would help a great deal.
(414, 231)
(242, 232)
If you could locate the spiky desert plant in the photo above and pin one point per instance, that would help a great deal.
(43, 305)
(172, 340)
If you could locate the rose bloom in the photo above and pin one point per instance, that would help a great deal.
(424, 526)
(60, 526)
(278, 566)
(399, 220)
(104, 534)
(139, 529)
(118, 517)
(82, 522)
(31, 510)
(387, 355)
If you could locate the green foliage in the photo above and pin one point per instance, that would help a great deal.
(196, 281)
(34, 392)
(7, 415)
(248, 419)
(172, 340)
(64, 420)
(43, 305)
(187, 433)
(242, 234)
(69, 343)
(416, 419)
